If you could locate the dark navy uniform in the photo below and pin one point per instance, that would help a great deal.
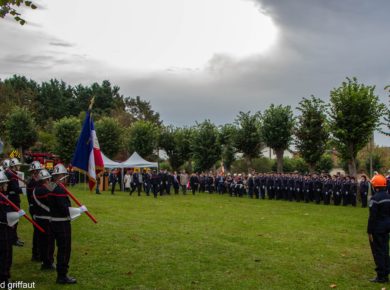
(155, 182)
(41, 209)
(353, 192)
(59, 204)
(379, 227)
(337, 188)
(7, 239)
(31, 185)
(363, 188)
(13, 193)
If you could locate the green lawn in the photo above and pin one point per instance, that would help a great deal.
(209, 241)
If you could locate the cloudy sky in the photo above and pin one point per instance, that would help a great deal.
(204, 59)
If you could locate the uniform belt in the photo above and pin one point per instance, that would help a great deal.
(42, 217)
(3, 223)
(58, 219)
(12, 192)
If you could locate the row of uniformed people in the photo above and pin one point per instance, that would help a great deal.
(308, 188)
(50, 208)
(317, 188)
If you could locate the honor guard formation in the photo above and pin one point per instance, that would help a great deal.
(51, 210)
(318, 188)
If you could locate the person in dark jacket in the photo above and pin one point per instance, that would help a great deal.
(378, 228)
(363, 189)
(194, 182)
(14, 191)
(32, 183)
(42, 215)
(7, 236)
(59, 205)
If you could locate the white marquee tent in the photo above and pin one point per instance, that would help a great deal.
(137, 161)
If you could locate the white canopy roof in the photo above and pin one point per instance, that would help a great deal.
(137, 161)
(108, 163)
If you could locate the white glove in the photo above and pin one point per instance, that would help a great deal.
(21, 213)
(83, 208)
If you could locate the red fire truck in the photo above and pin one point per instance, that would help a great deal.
(47, 159)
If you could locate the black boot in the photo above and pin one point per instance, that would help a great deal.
(379, 280)
(66, 280)
(19, 243)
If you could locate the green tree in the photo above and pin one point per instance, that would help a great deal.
(325, 163)
(21, 129)
(141, 110)
(277, 130)
(206, 150)
(311, 131)
(169, 142)
(110, 136)
(248, 136)
(55, 101)
(354, 115)
(386, 116)
(11, 6)
(226, 137)
(66, 132)
(377, 163)
(17, 91)
(46, 142)
(143, 138)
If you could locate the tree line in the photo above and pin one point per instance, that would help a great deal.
(47, 117)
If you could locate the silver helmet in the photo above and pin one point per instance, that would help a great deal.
(6, 163)
(59, 169)
(44, 174)
(3, 177)
(14, 162)
(36, 165)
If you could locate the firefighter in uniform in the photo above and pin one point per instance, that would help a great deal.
(14, 191)
(7, 236)
(378, 228)
(35, 167)
(59, 204)
(42, 215)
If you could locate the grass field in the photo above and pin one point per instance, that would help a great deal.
(209, 241)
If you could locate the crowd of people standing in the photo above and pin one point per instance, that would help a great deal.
(319, 188)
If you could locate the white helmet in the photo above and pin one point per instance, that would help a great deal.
(14, 162)
(59, 169)
(6, 163)
(36, 165)
(3, 177)
(44, 174)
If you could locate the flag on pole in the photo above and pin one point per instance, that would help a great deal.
(87, 157)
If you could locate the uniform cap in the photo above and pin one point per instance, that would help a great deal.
(379, 181)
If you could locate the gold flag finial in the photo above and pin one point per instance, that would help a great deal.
(91, 104)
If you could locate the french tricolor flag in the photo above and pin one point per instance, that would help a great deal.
(87, 157)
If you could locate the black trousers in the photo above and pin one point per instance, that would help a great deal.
(35, 244)
(7, 238)
(380, 253)
(363, 196)
(46, 242)
(63, 237)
